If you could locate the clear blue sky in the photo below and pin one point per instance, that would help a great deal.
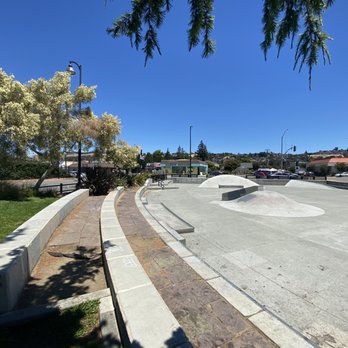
(235, 101)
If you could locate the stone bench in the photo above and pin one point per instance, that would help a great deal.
(146, 317)
(21, 249)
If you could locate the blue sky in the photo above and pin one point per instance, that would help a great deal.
(235, 101)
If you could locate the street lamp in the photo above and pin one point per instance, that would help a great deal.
(281, 150)
(71, 71)
(190, 173)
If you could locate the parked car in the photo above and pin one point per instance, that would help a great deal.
(342, 174)
(283, 175)
(263, 173)
(74, 174)
(309, 174)
(217, 172)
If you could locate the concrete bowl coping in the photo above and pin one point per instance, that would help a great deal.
(142, 314)
(21, 250)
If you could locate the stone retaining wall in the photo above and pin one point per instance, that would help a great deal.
(21, 250)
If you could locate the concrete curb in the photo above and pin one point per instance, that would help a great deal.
(21, 250)
(148, 322)
(264, 320)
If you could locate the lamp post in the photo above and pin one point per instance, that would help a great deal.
(190, 173)
(71, 71)
(281, 150)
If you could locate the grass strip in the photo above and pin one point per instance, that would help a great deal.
(14, 213)
(76, 327)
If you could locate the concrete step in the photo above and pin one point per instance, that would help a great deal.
(161, 213)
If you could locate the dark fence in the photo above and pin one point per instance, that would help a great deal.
(61, 188)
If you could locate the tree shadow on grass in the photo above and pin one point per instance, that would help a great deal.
(70, 328)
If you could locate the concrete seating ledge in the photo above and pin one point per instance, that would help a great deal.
(21, 250)
(147, 319)
(240, 192)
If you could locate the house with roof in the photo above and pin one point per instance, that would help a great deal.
(331, 164)
(182, 167)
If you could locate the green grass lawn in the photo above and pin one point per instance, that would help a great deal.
(14, 213)
(76, 327)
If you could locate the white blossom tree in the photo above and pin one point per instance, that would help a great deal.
(44, 116)
(123, 155)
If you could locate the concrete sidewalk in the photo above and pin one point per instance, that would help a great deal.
(206, 317)
(71, 264)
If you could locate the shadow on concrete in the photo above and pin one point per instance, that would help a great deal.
(14, 235)
(178, 339)
(70, 280)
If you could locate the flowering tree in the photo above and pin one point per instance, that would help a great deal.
(123, 155)
(44, 117)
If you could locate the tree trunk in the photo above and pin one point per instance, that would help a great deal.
(43, 177)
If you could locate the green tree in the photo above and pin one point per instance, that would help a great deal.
(323, 169)
(256, 165)
(157, 156)
(168, 155)
(148, 158)
(341, 167)
(202, 151)
(180, 153)
(230, 165)
(282, 21)
(212, 166)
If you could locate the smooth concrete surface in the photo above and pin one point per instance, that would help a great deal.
(20, 251)
(149, 322)
(295, 268)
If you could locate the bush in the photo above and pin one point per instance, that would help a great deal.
(122, 181)
(140, 178)
(99, 181)
(23, 170)
(10, 192)
(47, 193)
(59, 173)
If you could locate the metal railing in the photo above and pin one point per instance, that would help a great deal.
(62, 188)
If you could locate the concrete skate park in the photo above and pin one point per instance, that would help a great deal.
(284, 247)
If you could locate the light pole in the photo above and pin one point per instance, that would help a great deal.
(71, 71)
(281, 150)
(190, 173)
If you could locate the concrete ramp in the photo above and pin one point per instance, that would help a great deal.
(161, 213)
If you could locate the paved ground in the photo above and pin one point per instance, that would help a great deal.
(296, 267)
(207, 319)
(71, 264)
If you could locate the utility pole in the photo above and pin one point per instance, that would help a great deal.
(281, 150)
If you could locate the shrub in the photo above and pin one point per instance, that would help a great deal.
(23, 170)
(47, 193)
(12, 192)
(122, 181)
(99, 181)
(140, 178)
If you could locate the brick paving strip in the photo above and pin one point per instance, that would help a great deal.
(206, 317)
(71, 264)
